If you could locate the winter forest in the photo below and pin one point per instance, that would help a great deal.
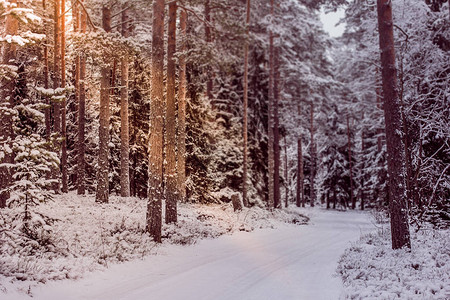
(173, 149)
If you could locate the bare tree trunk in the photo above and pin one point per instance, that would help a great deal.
(286, 190)
(155, 170)
(124, 128)
(245, 126)
(171, 160)
(300, 176)
(81, 117)
(312, 192)
(276, 132)
(7, 103)
(181, 140)
(65, 188)
(397, 201)
(46, 72)
(208, 37)
(270, 117)
(349, 148)
(362, 173)
(56, 84)
(102, 194)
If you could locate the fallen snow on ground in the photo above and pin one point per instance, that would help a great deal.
(289, 262)
(73, 235)
(370, 269)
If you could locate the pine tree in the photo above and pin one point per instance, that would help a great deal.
(155, 169)
(398, 209)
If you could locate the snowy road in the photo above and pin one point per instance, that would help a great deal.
(287, 263)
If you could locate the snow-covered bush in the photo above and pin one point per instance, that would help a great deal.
(370, 269)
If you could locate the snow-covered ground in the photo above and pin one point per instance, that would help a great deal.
(370, 268)
(289, 262)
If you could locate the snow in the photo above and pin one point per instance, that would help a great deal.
(284, 262)
(372, 270)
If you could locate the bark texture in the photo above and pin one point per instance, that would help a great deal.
(270, 164)
(312, 175)
(6, 104)
(181, 137)
(81, 117)
(276, 132)
(64, 178)
(171, 159)
(300, 177)
(155, 169)
(245, 126)
(395, 159)
(124, 126)
(102, 194)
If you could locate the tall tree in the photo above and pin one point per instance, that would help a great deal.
(64, 178)
(276, 130)
(6, 104)
(102, 194)
(124, 128)
(300, 176)
(313, 154)
(350, 165)
(181, 137)
(208, 38)
(397, 200)
(245, 118)
(81, 150)
(56, 81)
(170, 140)
(270, 126)
(155, 169)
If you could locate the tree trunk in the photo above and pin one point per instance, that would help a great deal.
(276, 132)
(46, 72)
(286, 181)
(312, 192)
(270, 117)
(245, 126)
(155, 170)
(65, 188)
(362, 172)
(171, 159)
(208, 38)
(102, 194)
(181, 140)
(124, 128)
(349, 147)
(300, 176)
(56, 84)
(7, 103)
(81, 116)
(397, 201)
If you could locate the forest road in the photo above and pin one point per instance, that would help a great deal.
(290, 262)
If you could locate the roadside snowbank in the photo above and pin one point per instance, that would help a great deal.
(370, 269)
(73, 235)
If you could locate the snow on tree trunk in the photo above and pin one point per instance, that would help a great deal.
(300, 175)
(270, 164)
(276, 131)
(208, 38)
(245, 121)
(312, 175)
(102, 194)
(170, 140)
(181, 137)
(349, 148)
(81, 116)
(397, 200)
(155, 161)
(6, 105)
(56, 84)
(124, 128)
(64, 178)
